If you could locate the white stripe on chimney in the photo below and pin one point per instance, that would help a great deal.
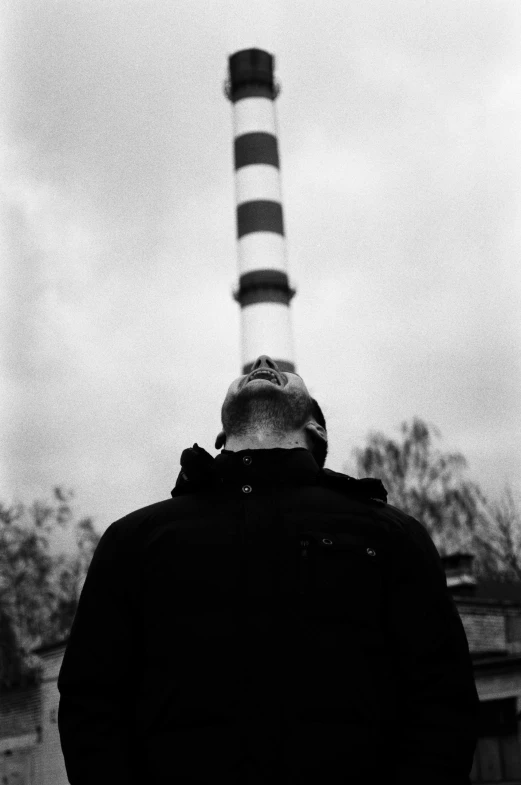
(260, 250)
(266, 329)
(258, 181)
(254, 114)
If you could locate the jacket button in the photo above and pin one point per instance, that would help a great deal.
(246, 488)
(370, 552)
(246, 460)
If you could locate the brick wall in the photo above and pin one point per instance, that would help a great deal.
(485, 629)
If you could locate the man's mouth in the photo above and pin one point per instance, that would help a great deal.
(269, 376)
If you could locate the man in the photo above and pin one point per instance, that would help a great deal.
(272, 622)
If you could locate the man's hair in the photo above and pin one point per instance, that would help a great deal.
(319, 449)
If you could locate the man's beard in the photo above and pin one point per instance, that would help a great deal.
(265, 408)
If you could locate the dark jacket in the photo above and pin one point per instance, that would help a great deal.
(272, 622)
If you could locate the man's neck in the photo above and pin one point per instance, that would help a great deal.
(262, 440)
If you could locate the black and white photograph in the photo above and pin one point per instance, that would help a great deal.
(260, 412)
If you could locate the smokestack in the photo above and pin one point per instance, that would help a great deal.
(264, 293)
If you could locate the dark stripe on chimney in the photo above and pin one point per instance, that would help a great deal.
(261, 215)
(264, 286)
(256, 148)
(251, 91)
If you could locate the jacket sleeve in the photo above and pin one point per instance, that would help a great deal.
(97, 676)
(439, 705)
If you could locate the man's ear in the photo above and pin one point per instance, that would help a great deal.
(316, 431)
(220, 441)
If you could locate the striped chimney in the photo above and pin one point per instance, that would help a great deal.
(264, 293)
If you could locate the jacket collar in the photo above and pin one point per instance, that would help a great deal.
(235, 469)
(200, 471)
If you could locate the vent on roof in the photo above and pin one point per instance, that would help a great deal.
(460, 574)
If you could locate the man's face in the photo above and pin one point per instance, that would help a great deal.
(280, 405)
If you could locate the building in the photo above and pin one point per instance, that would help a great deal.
(491, 615)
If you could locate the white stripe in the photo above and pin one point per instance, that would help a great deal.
(266, 329)
(262, 251)
(254, 114)
(258, 181)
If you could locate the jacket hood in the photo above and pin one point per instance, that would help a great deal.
(279, 466)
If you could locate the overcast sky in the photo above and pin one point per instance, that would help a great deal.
(399, 133)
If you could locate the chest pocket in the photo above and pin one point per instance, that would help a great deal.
(341, 576)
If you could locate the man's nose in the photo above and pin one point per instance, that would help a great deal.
(264, 361)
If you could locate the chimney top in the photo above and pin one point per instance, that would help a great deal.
(251, 73)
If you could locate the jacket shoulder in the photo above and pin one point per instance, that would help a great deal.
(130, 530)
(372, 492)
(367, 489)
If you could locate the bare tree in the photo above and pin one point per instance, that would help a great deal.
(39, 592)
(429, 485)
(497, 539)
